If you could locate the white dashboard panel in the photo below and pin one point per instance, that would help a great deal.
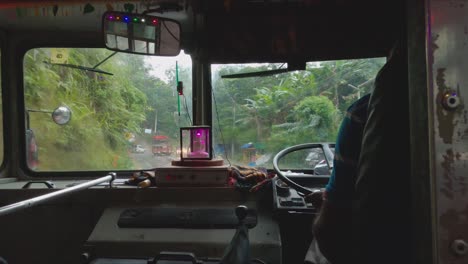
(108, 240)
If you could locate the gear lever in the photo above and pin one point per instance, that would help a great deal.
(241, 213)
(238, 251)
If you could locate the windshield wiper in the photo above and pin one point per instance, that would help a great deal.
(104, 60)
(84, 68)
(255, 74)
(291, 67)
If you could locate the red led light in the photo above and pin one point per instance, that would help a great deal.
(171, 177)
(155, 21)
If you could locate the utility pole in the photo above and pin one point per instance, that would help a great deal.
(233, 127)
(155, 121)
(356, 88)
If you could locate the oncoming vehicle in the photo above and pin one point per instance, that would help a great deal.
(260, 77)
(322, 168)
(314, 157)
(161, 145)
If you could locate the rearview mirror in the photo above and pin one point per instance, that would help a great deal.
(143, 34)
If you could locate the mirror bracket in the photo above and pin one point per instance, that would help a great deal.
(296, 65)
(164, 7)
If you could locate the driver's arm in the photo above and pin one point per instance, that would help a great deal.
(332, 230)
(332, 226)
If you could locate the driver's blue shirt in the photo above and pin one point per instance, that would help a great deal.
(340, 187)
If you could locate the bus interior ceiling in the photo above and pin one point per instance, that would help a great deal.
(253, 31)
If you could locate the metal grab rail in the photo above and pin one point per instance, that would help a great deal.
(39, 199)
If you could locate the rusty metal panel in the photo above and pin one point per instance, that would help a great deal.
(448, 93)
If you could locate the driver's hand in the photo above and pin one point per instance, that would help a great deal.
(316, 198)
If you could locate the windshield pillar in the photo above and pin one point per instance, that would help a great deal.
(201, 75)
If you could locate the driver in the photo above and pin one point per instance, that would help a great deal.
(332, 226)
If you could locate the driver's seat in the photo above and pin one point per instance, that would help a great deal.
(381, 209)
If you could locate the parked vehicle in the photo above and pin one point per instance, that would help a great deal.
(61, 116)
(138, 149)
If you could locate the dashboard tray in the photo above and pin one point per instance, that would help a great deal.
(191, 218)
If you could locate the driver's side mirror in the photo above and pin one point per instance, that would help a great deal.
(143, 34)
(62, 115)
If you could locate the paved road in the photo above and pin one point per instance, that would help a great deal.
(146, 160)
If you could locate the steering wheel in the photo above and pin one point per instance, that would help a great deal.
(301, 189)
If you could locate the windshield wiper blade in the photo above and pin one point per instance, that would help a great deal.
(255, 74)
(84, 68)
(292, 66)
(94, 69)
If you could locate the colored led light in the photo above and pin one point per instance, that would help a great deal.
(126, 18)
(110, 17)
(155, 21)
(117, 17)
(135, 19)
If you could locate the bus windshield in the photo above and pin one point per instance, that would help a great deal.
(259, 116)
(125, 111)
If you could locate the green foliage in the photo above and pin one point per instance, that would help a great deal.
(104, 107)
(316, 117)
